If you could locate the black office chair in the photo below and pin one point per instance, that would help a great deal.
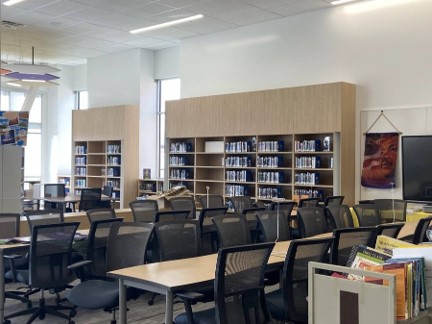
(366, 215)
(238, 203)
(232, 230)
(391, 210)
(238, 288)
(126, 246)
(44, 217)
(211, 201)
(183, 203)
(54, 190)
(50, 256)
(208, 229)
(250, 215)
(309, 202)
(100, 213)
(144, 210)
(339, 216)
(90, 198)
(10, 228)
(419, 235)
(347, 238)
(333, 200)
(274, 226)
(96, 248)
(106, 191)
(290, 302)
(171, 215)
(389, 229)
(284, 206)
(311, 222)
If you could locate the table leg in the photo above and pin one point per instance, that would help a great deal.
(122, 303)
(169, 308)
(2, 287)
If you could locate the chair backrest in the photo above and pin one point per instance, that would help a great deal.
(238, 203)
(239, 284)
(232, 230)
(144, 210)
(420, 231)
(389, 229)
(43, 217)
(311, 221)
(309, 202)
(211, 201)
(169, 234)
(273, 228)
(54, 190)
(391, 210)
(206, 215)
(340, 216)
(250, 215)
(97, 243)
(127, 244)
(366, 215)
(171, 215)
(285, 206)
(9, 225)
(333, 200)
(346, 238)
(295, 275)
(183, 203)
(107, 190)
(50, 255)
(90, 198)
(100, 214)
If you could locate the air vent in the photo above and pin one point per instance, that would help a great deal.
(11, 24)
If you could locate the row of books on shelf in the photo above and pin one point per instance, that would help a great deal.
(314, 145)
(239, 175)
(410, 264)
(271, 177)
(308, 178)
(269, 161)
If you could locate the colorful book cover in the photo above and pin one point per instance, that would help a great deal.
(386, 244)
(363, 256)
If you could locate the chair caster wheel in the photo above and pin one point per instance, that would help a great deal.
(150, 302)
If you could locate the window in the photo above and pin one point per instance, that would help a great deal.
(81, 100)
(168, 89)
(13, 101)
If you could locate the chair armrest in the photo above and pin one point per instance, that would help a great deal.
(190, 296)
(80, 264)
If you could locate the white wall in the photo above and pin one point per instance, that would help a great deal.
(386, 52)
(167, 63)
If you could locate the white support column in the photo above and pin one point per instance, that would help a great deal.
(29, 98)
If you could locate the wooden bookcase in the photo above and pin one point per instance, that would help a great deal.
(150, 186)
(253, 143)
(105, 144)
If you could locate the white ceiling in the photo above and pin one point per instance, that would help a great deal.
(70, 31)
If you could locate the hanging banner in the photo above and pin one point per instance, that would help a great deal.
(13, 127)
(380, 157)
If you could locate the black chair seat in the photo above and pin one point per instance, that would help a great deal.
(207, 316)
(275, 305)
(101, 294)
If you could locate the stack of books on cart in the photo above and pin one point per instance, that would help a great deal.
(411, 264)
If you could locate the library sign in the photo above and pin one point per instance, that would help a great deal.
(13, 127)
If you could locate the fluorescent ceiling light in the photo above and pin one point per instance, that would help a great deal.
(338, 2)
(166, 24)
(12, 2)
(30, 68)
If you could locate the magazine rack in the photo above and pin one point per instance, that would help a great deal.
(335, 300)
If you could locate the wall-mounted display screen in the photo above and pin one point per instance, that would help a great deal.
(417, 168)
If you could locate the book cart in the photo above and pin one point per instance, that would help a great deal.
(334, 300)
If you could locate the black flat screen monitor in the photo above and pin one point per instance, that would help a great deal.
(417, 168)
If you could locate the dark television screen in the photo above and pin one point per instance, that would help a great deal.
(417, 168)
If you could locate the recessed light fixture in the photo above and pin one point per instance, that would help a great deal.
(12, 2)
(166, 24)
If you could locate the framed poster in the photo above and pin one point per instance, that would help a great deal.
(14, 127)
